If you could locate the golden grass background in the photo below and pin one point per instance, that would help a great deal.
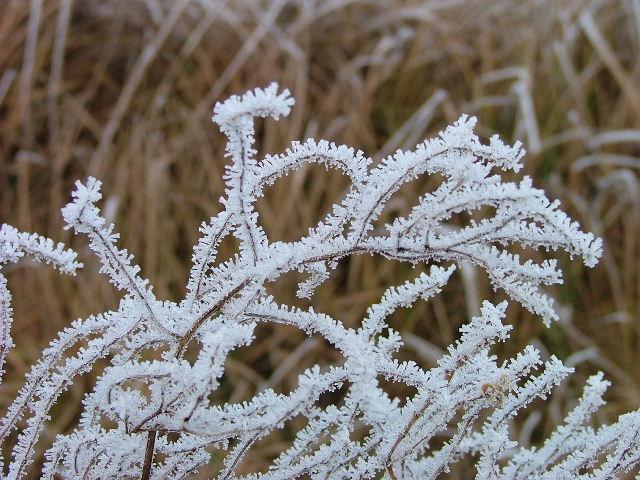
(123, 90)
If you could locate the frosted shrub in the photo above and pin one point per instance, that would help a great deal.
(154, 418)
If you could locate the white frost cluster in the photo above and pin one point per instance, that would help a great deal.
(154, 419)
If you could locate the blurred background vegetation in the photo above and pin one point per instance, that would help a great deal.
(123, 90)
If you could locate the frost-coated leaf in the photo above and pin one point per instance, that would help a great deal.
(150, 408)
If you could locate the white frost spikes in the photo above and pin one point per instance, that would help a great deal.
(15, 244)
(260, 102)
(151, 409)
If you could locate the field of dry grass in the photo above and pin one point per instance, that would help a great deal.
(123, 90)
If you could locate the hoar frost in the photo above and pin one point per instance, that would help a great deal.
(153, 419)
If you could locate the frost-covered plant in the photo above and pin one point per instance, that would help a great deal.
(154, 418)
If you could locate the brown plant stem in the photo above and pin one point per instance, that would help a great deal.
(148, 455)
